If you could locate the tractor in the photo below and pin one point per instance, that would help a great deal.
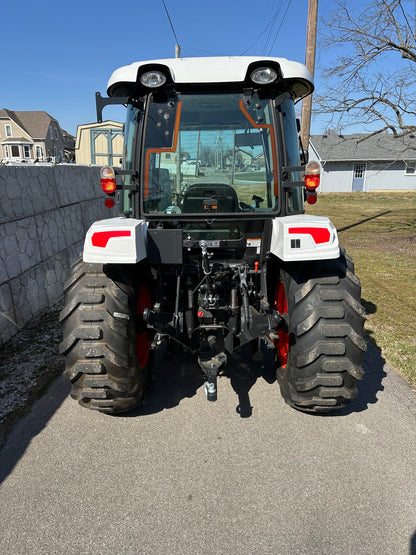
(212, 250)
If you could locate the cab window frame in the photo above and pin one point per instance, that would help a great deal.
(274, 122)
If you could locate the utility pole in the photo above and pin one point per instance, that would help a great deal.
(177, 51)
(310, 64)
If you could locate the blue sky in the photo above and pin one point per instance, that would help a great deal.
(55, 56)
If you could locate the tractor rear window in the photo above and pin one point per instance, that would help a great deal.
(210, 154)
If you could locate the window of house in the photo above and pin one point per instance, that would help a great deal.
(410, 168)
(6, 151)
(26, 151)
(8, 129)
(359, 171)
(39, 153)
(15, 151)
(56, 134)
(50, 133)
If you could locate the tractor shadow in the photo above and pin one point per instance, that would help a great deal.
(412, 550)
(177, 376)
(371, 384)
(244, 369)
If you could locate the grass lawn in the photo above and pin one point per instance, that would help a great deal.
(378, 230)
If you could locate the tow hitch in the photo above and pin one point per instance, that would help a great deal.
(211, 367)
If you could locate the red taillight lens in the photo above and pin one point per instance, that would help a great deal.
(108, 186)
(312, 176)
(109, 202)
(311, 198)
(108, 180)
(312, 182)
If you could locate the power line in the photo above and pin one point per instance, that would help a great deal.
(262, 33)
(280, 26)
(270, 28)
(171, 24)
(210, 52)
(273, 27)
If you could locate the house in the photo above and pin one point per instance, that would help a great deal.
(33, 135)
(366, 163)
(100, 143)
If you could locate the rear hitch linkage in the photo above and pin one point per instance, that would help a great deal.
(224, 324)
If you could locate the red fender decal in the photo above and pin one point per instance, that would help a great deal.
(319, 234)
(101, 238)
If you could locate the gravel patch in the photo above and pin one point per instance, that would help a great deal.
(28, 364)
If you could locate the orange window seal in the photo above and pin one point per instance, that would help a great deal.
(150, 151)
(273, 140)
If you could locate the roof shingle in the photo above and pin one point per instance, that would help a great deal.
(362, 147)
(34, 122)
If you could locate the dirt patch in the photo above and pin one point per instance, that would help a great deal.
(28, 364)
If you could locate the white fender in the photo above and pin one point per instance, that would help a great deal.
(304, 237)
(116, 241)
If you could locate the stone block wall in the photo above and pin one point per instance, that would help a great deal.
(45, 212)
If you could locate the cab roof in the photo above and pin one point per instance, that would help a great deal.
(294, 76)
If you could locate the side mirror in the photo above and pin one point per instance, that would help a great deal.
(304, 154)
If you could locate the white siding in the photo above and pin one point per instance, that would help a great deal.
(336, 177)
(383, 177)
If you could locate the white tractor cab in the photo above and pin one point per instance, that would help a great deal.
(212, 248)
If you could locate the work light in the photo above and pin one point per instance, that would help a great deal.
(153, 79)
(263, 75)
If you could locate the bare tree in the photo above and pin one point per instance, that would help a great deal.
(369, 51)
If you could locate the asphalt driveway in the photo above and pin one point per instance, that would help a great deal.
(244, 475)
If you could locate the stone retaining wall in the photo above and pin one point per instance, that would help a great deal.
(44, 214)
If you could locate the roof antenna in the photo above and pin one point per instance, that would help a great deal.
(177, 47)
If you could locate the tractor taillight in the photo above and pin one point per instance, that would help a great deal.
(312, 176)
(311, 197)
(108, 180)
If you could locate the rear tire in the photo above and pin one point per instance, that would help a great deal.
(319, 354)
(106, 347)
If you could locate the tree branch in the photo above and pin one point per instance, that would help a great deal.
(367, 39)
